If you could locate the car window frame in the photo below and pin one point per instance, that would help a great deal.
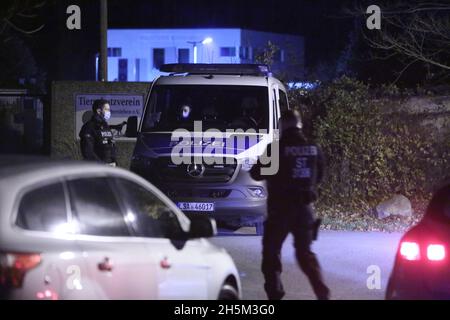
(74, 213)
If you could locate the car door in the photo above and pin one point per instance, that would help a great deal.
(44, 223)
(182, 271)
(118, 264)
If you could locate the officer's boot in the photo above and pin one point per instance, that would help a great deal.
(274, 287)
(310, 266)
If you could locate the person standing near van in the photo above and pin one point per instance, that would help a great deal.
(291, 192)
(96, 138)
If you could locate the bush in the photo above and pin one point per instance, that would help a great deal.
(373, 148)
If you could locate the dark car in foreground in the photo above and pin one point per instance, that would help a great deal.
(422, 264)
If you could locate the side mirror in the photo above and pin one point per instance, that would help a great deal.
(202, 227)
(132, 127)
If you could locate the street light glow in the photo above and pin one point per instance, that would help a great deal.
(195, 53)
(207, 40)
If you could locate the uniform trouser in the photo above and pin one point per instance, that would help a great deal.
(276, 228)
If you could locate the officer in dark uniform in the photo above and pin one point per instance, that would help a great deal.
(291, 192)
(97, 143)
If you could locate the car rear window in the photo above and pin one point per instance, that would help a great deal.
(96, 208)
(43, 208)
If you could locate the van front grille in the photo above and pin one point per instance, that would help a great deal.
(167, 171)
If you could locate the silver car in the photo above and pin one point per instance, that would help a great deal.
(73, 230)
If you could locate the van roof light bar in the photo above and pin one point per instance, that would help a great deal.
(222, 68)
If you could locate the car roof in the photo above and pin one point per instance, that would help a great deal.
(198, 79)
(11, 165)
(20, 171)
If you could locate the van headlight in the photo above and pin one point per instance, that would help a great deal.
(257, 192)
(247, 163)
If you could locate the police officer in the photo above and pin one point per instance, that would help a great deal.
(291, 192)
(97, 143)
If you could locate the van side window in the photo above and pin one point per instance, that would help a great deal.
(43, 209)
(149, 216)
(283, 101)
(275, 109)
(97, 208)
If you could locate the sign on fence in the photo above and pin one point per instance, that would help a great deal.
(122, 107)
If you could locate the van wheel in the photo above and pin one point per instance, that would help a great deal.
(259, 228)
(228, 292)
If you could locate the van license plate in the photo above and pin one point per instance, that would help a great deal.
(196, 206)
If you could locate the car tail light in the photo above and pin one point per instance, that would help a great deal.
(436, 252)
(410, 250)
(14, 266)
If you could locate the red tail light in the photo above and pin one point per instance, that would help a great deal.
(14, 266)
(436, 252)
(410, 250)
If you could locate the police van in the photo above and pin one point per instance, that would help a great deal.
(203, 127)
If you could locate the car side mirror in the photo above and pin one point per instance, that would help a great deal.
(132, 127)
(202, 227)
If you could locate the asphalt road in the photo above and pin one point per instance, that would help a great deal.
(344, 256)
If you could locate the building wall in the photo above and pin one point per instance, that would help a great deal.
(136, 45)
(139, 44)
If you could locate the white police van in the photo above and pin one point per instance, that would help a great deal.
(218, 119)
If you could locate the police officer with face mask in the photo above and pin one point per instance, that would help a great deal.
(97, 143)
(291, 192)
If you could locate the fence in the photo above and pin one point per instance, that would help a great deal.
(24, 123)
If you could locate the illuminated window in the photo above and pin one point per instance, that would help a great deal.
(183, 55)
(244, 53)
(228, 51)
(137, 70)
(123, 70)
(158, 58)
(114, 52)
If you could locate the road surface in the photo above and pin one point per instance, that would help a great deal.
(345, 257)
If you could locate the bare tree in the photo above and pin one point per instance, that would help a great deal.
(20, 16)
(413, 31)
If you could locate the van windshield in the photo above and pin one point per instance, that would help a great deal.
(220, 107)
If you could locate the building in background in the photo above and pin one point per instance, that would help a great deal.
(137, 54)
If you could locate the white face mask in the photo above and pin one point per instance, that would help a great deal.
(186, 112)
(107, 115)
